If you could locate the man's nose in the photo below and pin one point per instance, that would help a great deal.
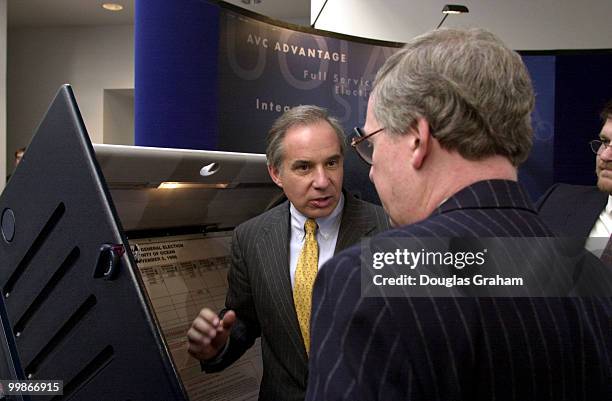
(606, 153)
(321, 178)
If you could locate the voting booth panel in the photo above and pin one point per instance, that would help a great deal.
(157, 189)
(76, 305)
(181, 274)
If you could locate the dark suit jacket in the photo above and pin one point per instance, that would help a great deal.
(571, 210)
(261, 294)
(452, 349)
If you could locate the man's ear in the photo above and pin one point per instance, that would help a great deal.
(275, 175)
(420, 142)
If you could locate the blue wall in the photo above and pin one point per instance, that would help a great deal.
(176, 48)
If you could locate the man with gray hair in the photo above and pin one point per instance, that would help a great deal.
(447, 125)
(276, 256)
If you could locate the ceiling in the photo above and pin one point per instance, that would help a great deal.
(47, 13)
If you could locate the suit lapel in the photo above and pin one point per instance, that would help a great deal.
(275, 267)
(583, 217)
(356, 223)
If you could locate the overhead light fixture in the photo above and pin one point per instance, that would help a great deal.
(452, 9)
(249, 1)
(112, 6)
(455, 9)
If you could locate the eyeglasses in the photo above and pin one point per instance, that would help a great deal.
(598, 146)
(362, 146)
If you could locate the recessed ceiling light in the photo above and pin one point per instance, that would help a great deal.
(112, 6)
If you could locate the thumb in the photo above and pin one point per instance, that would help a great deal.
(224, 329)
(228, 320)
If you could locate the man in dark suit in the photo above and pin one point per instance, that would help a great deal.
(580, 210)
(273, 270)
(448, 123)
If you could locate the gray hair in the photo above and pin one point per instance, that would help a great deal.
(474, 91)
(299, 115)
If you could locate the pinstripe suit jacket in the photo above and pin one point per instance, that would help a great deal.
(455, 349)
(261, 294)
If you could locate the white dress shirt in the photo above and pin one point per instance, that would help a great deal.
(327, 235)
(598, 238)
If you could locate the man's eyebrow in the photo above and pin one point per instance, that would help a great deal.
(299, 162)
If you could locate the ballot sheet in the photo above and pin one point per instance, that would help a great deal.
(182, 274)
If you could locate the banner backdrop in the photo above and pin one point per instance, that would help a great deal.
(265, 69)
(210, 75)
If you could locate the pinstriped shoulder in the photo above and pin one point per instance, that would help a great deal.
(362, 210)
(264, 221)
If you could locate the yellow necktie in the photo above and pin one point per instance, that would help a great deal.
(305, 274)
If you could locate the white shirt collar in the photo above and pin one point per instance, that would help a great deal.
(326, 225)
(609, 205)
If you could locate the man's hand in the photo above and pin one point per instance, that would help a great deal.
(208, 334)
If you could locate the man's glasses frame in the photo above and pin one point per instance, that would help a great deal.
(362, 146)
(598, 146)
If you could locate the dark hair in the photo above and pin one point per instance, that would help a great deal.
(607, 111)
